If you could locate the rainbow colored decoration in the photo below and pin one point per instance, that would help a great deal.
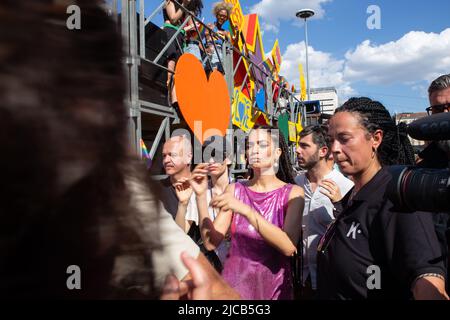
(268, 65)
(249, 103)
(276, 56)
(227, 27)
(252, 32)
(145, 155)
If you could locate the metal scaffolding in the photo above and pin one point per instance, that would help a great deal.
(136, 64)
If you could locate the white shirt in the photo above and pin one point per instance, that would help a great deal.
(317, 215)
(192, 215)
(171, 239)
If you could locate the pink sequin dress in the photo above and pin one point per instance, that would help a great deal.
(255, 269)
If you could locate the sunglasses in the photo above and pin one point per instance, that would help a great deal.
(439, 108)
(217, 155)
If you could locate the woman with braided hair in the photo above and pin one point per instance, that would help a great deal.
(372, 251)
(264, 214)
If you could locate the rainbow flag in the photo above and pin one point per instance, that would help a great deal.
(193, 35)
(145, 155)
(268, 64)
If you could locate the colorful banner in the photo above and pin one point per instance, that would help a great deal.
(302, 83)
(236, 16)
(276, 56)
(292, 131)
(227, 27)
(283, 120)
(242, 113)
(298, 127)
(261, 100)
(252, 33)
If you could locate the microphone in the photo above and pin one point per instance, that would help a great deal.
(434, 127)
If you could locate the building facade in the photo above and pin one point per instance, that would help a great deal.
(408, 118)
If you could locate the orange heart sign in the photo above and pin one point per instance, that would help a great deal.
(205, 104)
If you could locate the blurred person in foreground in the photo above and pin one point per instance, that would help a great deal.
(76, 196)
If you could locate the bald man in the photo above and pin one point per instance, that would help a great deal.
(177, 194)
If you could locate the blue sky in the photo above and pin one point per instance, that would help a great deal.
(393, 64)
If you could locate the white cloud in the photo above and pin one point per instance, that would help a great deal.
(413, 60)
(274, 11)
(324, 69)
(417, 56)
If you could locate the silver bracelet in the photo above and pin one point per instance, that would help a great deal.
(436, 275)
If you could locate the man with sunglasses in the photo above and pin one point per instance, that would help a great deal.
(437, 153)
(437, 156)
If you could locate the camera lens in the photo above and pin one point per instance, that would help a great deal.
(420, 189)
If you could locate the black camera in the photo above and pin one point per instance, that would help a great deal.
(423, 189)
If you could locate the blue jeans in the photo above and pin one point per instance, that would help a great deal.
(215, 61)
(194, 49)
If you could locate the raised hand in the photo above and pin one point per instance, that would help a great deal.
(199, 179)
(227, 201)
(183, 190)
(331, 190)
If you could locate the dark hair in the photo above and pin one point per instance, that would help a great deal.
(285, 171)
(440, 83)
(319, 136)
(218, 147)
(395, 147)
(66, 195)
(195, 6)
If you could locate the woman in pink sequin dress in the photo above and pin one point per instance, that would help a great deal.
(264, 215)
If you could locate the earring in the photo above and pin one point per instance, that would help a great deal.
(276, 164)
(374, 151)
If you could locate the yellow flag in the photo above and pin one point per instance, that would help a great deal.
(302, 83)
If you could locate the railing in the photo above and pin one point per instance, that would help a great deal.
(129, 29)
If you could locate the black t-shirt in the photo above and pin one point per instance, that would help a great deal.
(435, 158)
(169, 197)
(368, 233)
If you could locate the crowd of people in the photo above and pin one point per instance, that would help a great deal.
(71, 199)
(205, 43)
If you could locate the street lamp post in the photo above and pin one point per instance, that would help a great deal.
(305, 14)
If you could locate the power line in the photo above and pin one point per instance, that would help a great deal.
(394, 95)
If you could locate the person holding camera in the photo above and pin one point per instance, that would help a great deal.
(437, 153)
(371, 251)
(437, 156)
